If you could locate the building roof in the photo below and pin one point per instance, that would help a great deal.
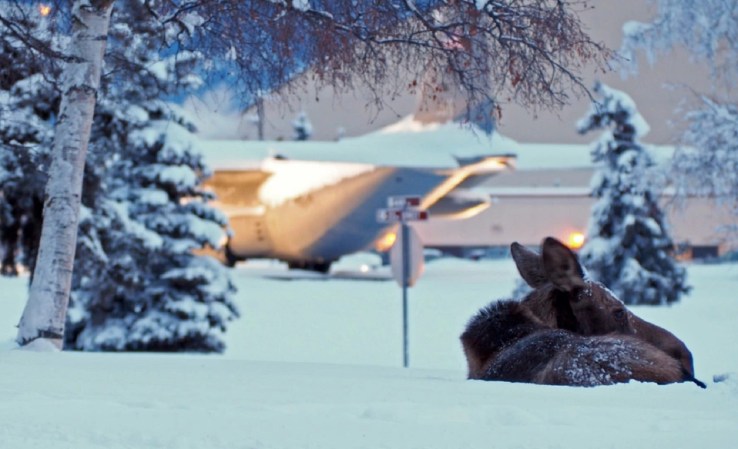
(408, 143)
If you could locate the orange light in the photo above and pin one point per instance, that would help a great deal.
(44, 10)
(575, 240)
(385, 242)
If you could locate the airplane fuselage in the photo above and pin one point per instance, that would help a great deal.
(317, 227)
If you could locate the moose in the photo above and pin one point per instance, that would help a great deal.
(570, 330)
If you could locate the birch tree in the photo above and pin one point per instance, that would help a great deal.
(45, 311)
(705, 163)
(524, 51)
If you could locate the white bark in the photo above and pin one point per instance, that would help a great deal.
(46, 309)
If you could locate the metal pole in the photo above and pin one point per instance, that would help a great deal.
(405, 279)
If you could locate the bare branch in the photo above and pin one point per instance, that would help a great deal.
(528, 51)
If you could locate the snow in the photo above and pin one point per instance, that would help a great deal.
(538, 191)
(408, 124)
(180, 175)
(205, 230)
(147, 238)
(302, 126)
(288, 179)
(710, 38)
(42, 345)
(633, 27)
(626, 102)
(152, 196)
(408, 143)
(316, 364)
(302, 5)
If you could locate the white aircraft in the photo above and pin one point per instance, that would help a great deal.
(309, 203)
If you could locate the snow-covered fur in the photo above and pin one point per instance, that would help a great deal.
(507, 342)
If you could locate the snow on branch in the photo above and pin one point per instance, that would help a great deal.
(708, 29)
(707, 164)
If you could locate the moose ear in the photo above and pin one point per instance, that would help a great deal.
(561, 266)
(529, 265)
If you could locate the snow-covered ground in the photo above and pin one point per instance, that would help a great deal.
(316, 364)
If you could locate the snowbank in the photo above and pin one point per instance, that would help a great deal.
(315, 364)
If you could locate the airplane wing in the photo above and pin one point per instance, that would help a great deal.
(455, 198)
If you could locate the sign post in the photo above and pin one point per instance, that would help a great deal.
(405, 275)
(407, 254)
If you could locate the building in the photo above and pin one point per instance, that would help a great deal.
(529, 205)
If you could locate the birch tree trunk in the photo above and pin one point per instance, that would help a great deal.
(46, 309)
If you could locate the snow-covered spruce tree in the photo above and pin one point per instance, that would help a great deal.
(28, 102)
(302, 126)
(138, 285)
(628, 244)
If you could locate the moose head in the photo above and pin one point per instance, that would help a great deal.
(563, 296)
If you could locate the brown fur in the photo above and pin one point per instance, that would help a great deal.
(662, 339)
(505, 341)
(556, 273)
(569, 331)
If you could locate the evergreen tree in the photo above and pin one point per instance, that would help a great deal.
(28, 102)
(139, 286)
(628, 247)
(302, 126)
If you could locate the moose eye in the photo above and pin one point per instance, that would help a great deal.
(619, 314)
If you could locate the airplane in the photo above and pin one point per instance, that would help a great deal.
(309, 203)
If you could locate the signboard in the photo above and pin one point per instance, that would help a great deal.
(397, 215)
(403, 202)
(415, 260)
